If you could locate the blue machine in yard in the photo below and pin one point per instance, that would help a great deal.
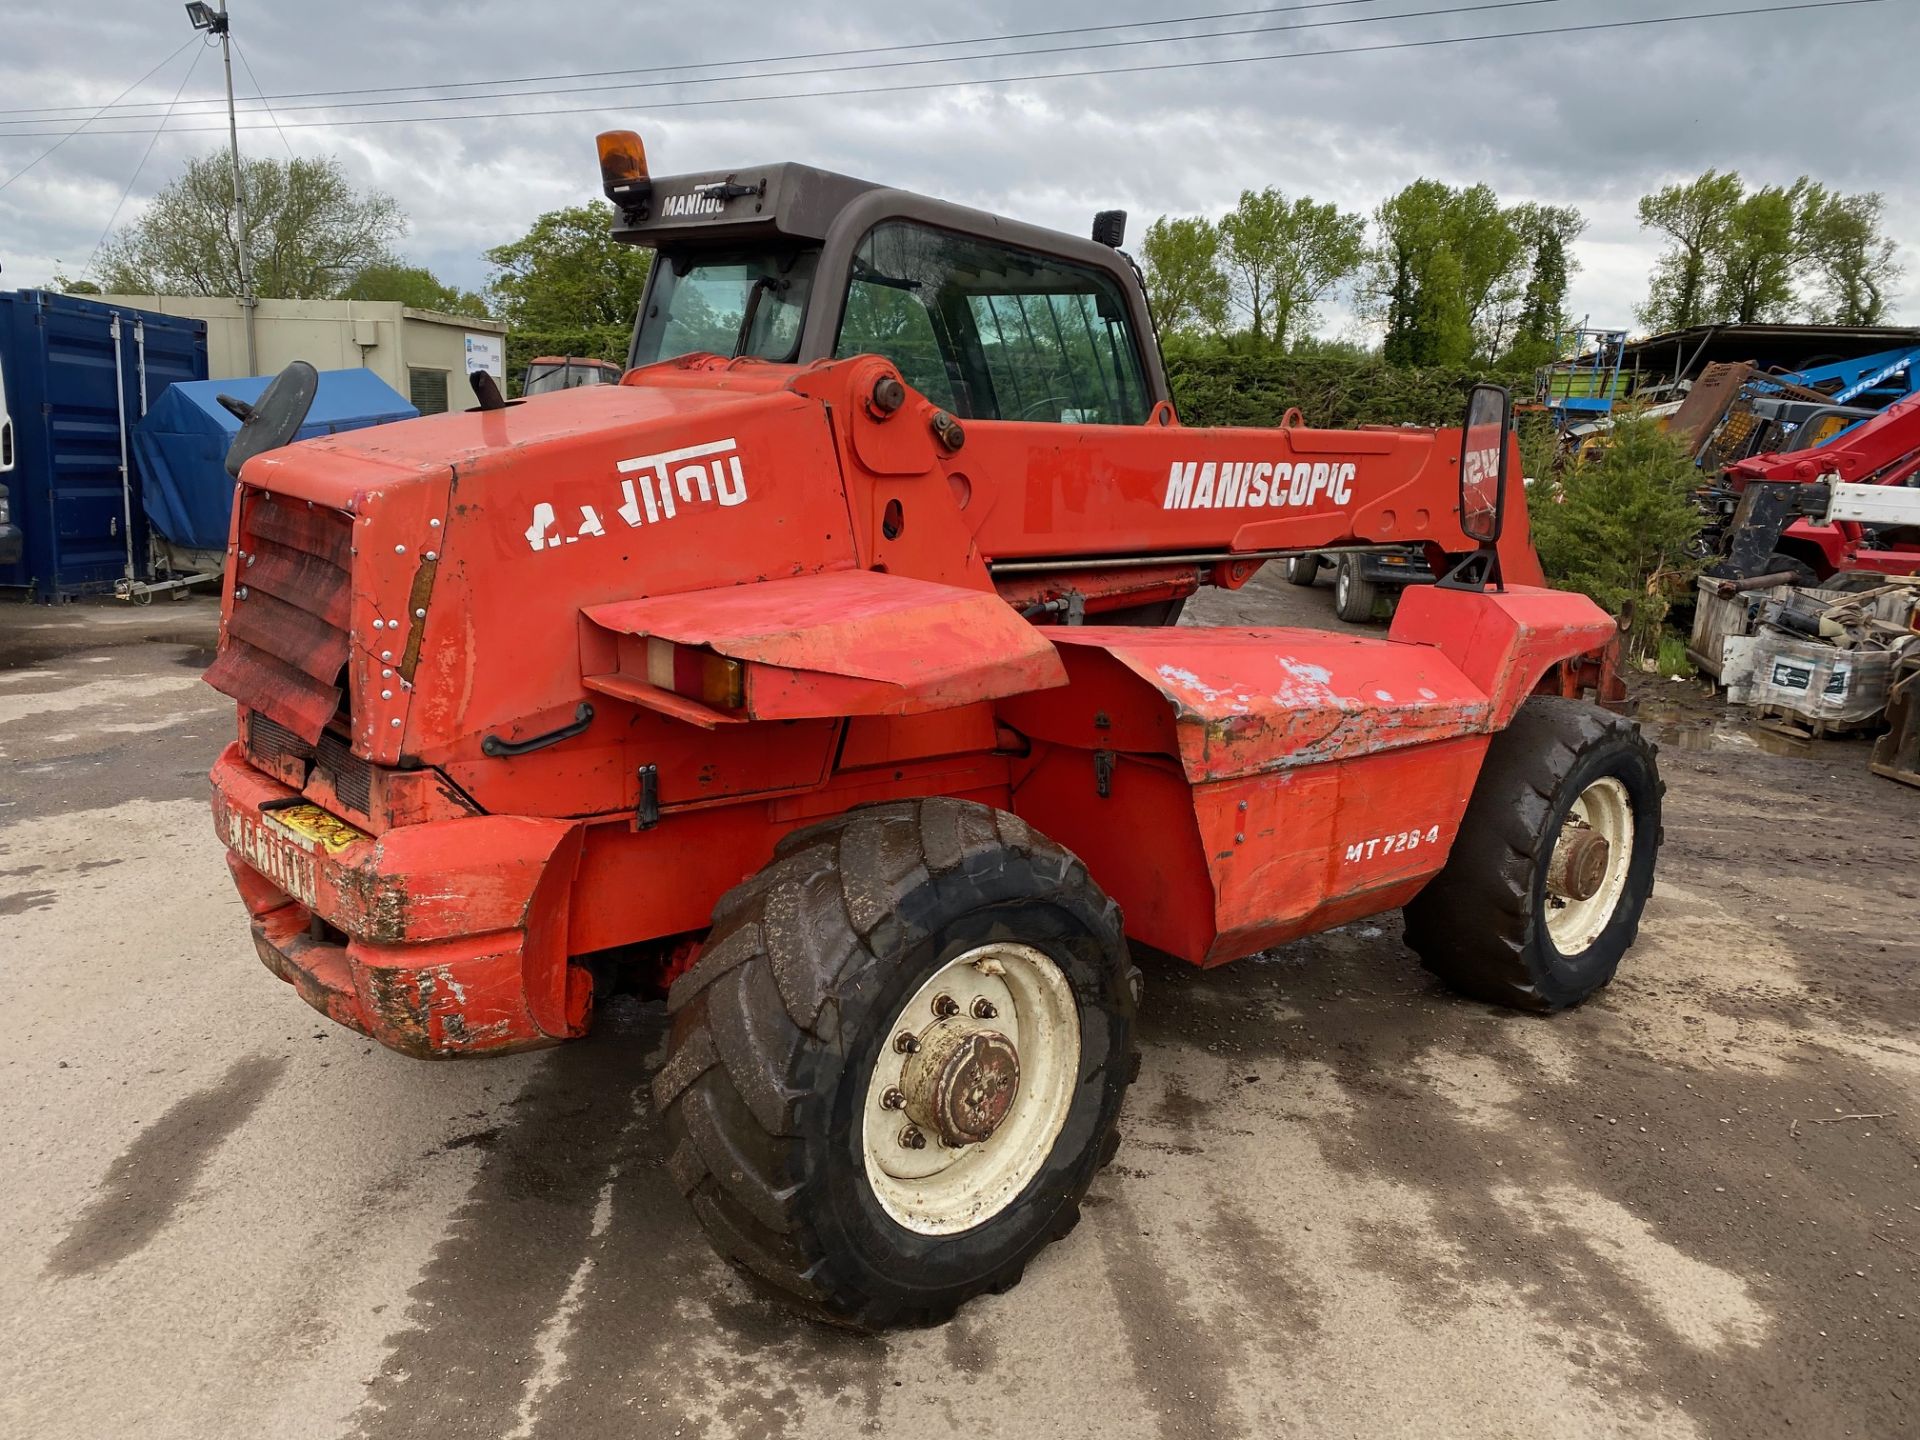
(75, 377)
(1584, 386)
(1871, 382)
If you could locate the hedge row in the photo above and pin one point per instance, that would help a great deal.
(1255, 390)
(1330, 391)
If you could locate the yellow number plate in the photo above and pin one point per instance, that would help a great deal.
(310, 822)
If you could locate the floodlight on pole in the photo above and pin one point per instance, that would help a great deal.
(203, 16)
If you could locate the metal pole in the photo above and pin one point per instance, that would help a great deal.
(126, 474)
(248, 304)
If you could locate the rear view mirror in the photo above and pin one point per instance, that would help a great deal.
(1483, 462)
(275, 418)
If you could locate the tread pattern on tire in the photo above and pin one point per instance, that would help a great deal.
(761, 1002)
(1472, 925)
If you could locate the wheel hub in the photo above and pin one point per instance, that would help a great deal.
(969, 1092)
(961, 1081)
(1579, 865)
(1587, 869)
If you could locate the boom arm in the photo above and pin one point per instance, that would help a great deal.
(1124, 513)
(1874, 450)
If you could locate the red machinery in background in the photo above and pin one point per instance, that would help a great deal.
(1850, 504)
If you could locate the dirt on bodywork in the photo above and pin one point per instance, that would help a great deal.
(1347, 1203)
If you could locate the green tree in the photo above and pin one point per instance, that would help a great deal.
(1760, 250)
(569, 273)
(1739, 256)
(1284, 256)
(413, 285)
(1185, 284)
(1694, 218)
(1446, 274)
(1852, 260)
(1617, 528)
(308, 232)
(1548, 232)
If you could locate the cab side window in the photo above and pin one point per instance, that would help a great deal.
(991, 332)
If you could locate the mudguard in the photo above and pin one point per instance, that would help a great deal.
(844, 642)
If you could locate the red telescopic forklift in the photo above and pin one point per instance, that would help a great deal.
(821, 675)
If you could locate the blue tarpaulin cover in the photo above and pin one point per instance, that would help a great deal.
(180, 446)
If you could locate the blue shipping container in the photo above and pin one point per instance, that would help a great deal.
(78, 376)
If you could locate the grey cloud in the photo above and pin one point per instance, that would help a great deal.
(1591, 120)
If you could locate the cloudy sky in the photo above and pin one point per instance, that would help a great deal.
(1589, 119)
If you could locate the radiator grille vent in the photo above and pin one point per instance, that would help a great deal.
(286, 642)
(352, 777)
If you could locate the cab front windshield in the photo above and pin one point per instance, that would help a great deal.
(725, 303)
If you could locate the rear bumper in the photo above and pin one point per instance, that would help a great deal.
(441, 939)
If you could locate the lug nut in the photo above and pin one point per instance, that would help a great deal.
(894, 1099)
(984, 1009)
(945, 1005)
(912, 1139)
(906, 1042)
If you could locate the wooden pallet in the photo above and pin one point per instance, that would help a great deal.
(1896, 754)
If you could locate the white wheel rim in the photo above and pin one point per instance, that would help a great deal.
(1342, 588)
(1606, 809)
(1012, 991)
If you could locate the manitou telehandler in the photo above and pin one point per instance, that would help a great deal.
(820, 671)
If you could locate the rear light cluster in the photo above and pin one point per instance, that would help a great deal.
(696, 674)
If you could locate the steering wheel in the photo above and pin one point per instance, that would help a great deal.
(1056, 403)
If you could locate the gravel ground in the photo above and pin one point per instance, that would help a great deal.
(1348, 1204)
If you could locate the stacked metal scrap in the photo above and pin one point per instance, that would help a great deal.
(1824, 659)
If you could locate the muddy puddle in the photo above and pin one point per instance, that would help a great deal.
(1734, 730)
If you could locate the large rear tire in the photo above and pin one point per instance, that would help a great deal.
(1303, 569)
(1530, 912)
(896, 1066)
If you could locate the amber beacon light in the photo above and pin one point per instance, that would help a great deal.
(623, 168)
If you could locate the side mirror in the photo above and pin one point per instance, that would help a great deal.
(1484, 454)
(275, 418)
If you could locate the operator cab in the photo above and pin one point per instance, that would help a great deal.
(988, 318)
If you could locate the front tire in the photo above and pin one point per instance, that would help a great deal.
(1353, 594)
(868, 1182)
(1530, 912)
